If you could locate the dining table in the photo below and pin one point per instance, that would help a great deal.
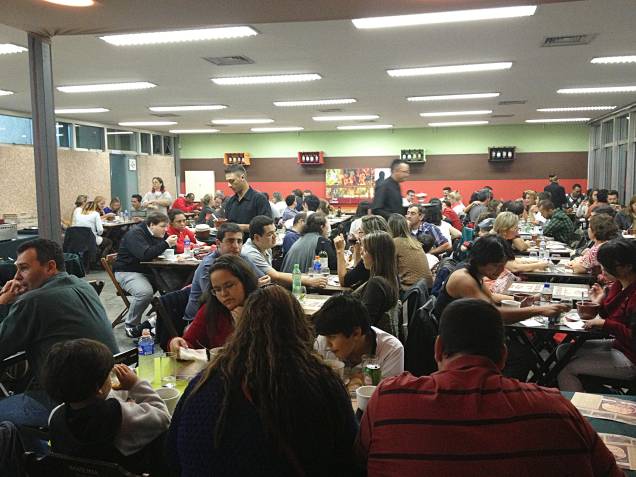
(558, 273)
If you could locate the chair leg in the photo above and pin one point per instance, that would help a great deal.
(120, 318)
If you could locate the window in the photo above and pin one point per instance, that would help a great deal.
(119, 140)
(63, 134)
(145, 143)
(622, 125)
(15, 130)
(167, 145)
(89, 137)
(608, 131)
(157, 147)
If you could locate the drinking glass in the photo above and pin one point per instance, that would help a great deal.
(168, 367)
(534, 255)
(303, 294)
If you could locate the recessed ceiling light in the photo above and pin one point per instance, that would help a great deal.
(147, 123)
(242, 121)
(450, 69)
(5, 92)
(72, 3)
(119, 133)
(358, 117)
(559, 120)
(457, 113)
(98, 88)
(281, 129)
(457, 123)
(81, 110)
(179, 36)
(242, 80)
(450, 97)
(445, 17)
(9, 48)
(204, 107)
(606, 60)
(578, 108)
(365, 126)
(194, 131)
(314, 102)
(598, 89)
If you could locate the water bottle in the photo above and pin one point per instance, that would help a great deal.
(316, 264)
(296, 281)
(126, 215)
(145, 351)
(542, 249)
(186, 247)
(324, 260)
(546, 293)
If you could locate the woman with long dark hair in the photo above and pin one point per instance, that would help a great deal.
(158, 199)
(267, 405)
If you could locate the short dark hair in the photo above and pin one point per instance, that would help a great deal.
(156, 218)
(290, 199)
(300, 216)
(545, 195)
(410, 191)
(433, 214)
(482, 195)
(45, 250)
(227, 228)
(136, 196)
(235, 169)
(602, 194)
(514, 206)
(604, 210)
(363, 208)
(258, 224)
(489, 249)
(616, 252)
(427, 241)
(603, 226)
(342, 314)
(577, 185)
(75, 369)
(395, 163)
(315, 223)
(312, 202)
(172, 214)
(189, 195)
(447, 188)
(612, 192)
(546, 204)
(472, 326)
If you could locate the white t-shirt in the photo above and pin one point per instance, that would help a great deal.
(93, 221)
(388, 350)
(432, 260)
(76, 212)
(444, 227)
(459, 208)
(156, 196)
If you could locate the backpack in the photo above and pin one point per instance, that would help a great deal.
(443, 269)
(419, 346)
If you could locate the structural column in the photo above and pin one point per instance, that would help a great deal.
(44, 138)
(176, 148)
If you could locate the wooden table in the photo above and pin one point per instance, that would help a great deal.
(312, 303)
(333, 287)
(186, 268)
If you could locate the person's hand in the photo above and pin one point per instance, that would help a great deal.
(339, 243)
(176, 343)
(593, 323)
(553, 309)
(540, 265)
(126, 376)
(11, 291)
(264, 281)
(317, 282)
(596, 293)
(529, 300)
(172, 240)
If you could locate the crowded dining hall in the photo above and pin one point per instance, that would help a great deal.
(384, 239)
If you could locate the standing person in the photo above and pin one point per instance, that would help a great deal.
(470, 419)
(249, 412)
(557, 192)
(185, 203)
(246, 203)
(412, 263)
(388, 195)
(142, 243)
(158, 199)
(89, 218)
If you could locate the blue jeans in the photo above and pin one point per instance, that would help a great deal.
(24, 410)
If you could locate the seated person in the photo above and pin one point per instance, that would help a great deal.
(142, 243)
(412, 262)
(206, 210)
(433, 215)
(115, 206)
(295, 232)
(342, 324)
(507, 228)
(610, 358)
(418, 227)
(137, 212)
(290, 211)
(559, 226)
(77, 209)
(626, 219)
(178, 227)
(469, 419)
(185, 203)
(41, 306)
(231, 282)
(89, 218)
(310, 206)
(101, 207)
(314, 241)
(602, 229)
(427, 242)
(506, 225)
(96, 422)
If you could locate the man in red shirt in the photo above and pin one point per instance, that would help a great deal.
(469, 419)
(186, 203)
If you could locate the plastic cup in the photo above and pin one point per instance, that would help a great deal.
(168, 369)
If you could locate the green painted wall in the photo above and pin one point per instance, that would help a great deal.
(453, 140)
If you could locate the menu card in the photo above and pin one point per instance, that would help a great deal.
(525, 287)
(569, 292)
(605, 407)
(623, 448)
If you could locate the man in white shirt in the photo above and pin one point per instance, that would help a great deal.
(343, 328)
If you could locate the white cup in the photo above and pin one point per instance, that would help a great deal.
(170, 397)
(363, 394)
(169, 254)
(510, 303)
(337, 365)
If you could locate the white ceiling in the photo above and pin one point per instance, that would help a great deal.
(352, 62)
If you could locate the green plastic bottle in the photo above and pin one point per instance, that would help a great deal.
(296, 281)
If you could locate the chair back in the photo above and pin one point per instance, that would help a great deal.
(413, 299)
(170, 309)
(60, 465)
(107, 264)
(81, 240)
(129, 357)
(419, 345)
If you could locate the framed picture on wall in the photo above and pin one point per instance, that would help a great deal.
(132, 164)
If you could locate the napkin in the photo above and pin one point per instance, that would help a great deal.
(189, 354)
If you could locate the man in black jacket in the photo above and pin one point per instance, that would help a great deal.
(557, 192)
(142, 243)
(388, 195)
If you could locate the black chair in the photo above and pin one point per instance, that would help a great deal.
(81, 240)
(59, 465)
(170, 309)
(128, 357)
(601, 385)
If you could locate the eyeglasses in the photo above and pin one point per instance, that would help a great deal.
(227, 287)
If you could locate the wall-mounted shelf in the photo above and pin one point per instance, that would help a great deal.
(311, 158)
(501, 154)
(413, 155)
(242, 158)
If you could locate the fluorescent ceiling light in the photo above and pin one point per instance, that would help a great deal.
(450, 69)
(147, 123)
(281, 129)
(445, 17)
(119, 133)
(314, 102)
(600, 89)
(578, 108)
(9, 48)
(366, 126)
(359, 117)
(204, 107)
(607, 60)
(72, 3)
(81, 110)
(242, 121)
(242, 80)
(457, 123)
(457, 113)
(559, 120)
(450, 97)
(98, 88)
(180, 36)
(5, 92)
(194, 131)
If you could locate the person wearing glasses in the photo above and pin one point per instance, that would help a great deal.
(232, 280)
